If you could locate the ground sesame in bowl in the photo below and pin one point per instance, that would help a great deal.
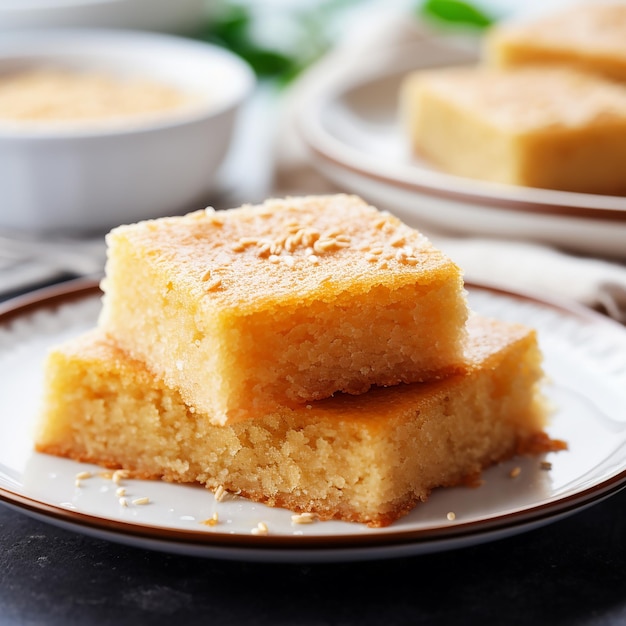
(105, 127)
(45, 95)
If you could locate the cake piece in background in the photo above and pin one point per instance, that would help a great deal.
(548, 127)
(590, 36)
(368, 458)
(282, 303)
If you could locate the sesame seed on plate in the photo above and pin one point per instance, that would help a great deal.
(118, 475)
(211, 521)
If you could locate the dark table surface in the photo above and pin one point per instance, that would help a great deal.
(569, 572)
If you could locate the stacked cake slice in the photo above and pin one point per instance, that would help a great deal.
(312, 353)
(544, 108)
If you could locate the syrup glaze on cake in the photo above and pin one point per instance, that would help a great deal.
(283, 303)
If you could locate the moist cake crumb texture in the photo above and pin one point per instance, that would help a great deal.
(369, 458)
(286, 302)
(309, 353)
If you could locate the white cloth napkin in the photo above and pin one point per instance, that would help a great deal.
(521, 265)
(541, 269)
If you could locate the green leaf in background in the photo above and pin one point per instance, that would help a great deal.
(307, 31)
(455, 12)
(236, 25)
(232, 29)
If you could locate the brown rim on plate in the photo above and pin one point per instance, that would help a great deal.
(78, 290)
(324, 145)
(508, 204)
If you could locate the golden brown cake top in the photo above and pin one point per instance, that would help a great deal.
(300, 248)
(596, 28)
(526, 99)
(488, 336)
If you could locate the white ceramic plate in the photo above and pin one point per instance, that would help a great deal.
(585, 358)
(348, 121)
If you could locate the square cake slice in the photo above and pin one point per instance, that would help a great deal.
(367, 458)
(282, 303)
(589, 36)
(547, 127)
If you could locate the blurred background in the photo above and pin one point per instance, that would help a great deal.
(248, 137)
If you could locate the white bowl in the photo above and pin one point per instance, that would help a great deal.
(90, 177)
(175, 16)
